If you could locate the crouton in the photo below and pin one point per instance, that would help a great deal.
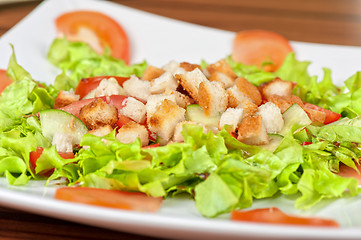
(252, 131)
(182, 100)
(137, 88)
(101, 131)
(154, 101)
(134, 109)
(178, 137)
(65, 98)
(276, 87)
(236, 97)
(212, 97)
(152, 72)
(231, 117)
(223, 67)
(165, 118)
(189, 66)
(129, 132)
(284, 102)
(223, 78)
(249, 108)
(165, 81)
(108, 87)
(190, 82)
(98, 114)
(249, 90)
(271, 117)
(171, 67)
(63, 142)
(315, 116)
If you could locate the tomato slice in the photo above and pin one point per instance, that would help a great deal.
(122, 120)
(346, 171)
(34, 156)
(97, 29)
(254, 47)
(275, 216)
(114, 100)
(330, 115)
(86, 85)
(110, 198)
(4, 80)
(118, 101)
(151, 146)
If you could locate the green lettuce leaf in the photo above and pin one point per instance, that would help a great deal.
(81, 61)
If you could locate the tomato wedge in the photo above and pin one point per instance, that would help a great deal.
(97, 29)
(255, 47)
(275, 216)
(330, 115)
(86, 85)
(110, 198)
(4, 80)
(34, 156)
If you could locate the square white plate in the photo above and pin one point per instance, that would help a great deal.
(158, 40)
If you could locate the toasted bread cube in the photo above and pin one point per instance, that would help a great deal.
(284, 102)
(152, 72)
(154, 101)
(171, 67)
(65, 98)
(137, 88)
(249, 108)
(315, 116)
(189, 66)
(190, 82)
(231, 117)
(252, 131)
(223, 78)
(134, 109)
(165, 81)
(178, 137)
(129, 132)
(164, 120)
(249, 90)
(181, 99)
(108, 87)
(223, 67)
(212, 97)
(276, 87)
(271, 117)
(102, 131)
(236, 97)
(63, 142)
(98, 114)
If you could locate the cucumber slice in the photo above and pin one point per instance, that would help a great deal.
(294, 115)
(274, 142)
(195, 113)
(54, 120)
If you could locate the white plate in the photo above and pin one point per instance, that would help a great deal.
(159, 40)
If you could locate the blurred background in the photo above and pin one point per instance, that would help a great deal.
(320, 21)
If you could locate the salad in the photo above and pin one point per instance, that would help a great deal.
(207, 130)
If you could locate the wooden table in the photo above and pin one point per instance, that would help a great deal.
(321, 21)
